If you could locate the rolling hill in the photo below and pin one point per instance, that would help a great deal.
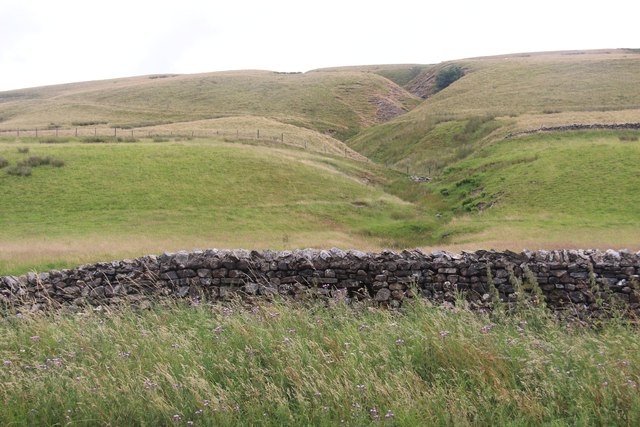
(336, 103)
(555, 189)
(269, 160)
(515, 93)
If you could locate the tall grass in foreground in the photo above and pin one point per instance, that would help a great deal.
(285, 364)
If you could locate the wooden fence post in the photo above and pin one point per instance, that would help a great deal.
(76, 132)
(258, 133)
(36, 132)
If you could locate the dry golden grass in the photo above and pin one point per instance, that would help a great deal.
(278, 363)
(534, 83)
(258, 128)
(533, 121)
(71, 251)
(339, 102)
(500, 235)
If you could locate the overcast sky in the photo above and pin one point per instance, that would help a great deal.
(47, 42)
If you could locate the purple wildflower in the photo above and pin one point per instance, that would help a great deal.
(148, 384)
(486, 328)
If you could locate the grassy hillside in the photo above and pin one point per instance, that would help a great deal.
(572, 189)
(542, 83)
(513, 92)
(260, 129)
(400, 74)
(339, 103)
(118, 200)
(424, 146)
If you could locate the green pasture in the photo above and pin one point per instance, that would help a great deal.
(572, 188)
(122, 197)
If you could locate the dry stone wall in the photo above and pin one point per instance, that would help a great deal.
(576, 280)
(577, 126)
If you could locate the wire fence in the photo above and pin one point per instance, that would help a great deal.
(104, 134)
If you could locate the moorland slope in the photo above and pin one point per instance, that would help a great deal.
(269, 160)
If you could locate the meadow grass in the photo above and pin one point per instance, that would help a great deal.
(110, 200)
(285, 363)
(574, 188)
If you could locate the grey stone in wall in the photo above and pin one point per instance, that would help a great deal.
(577, 280)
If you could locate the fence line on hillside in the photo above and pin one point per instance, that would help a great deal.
(103, 134)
